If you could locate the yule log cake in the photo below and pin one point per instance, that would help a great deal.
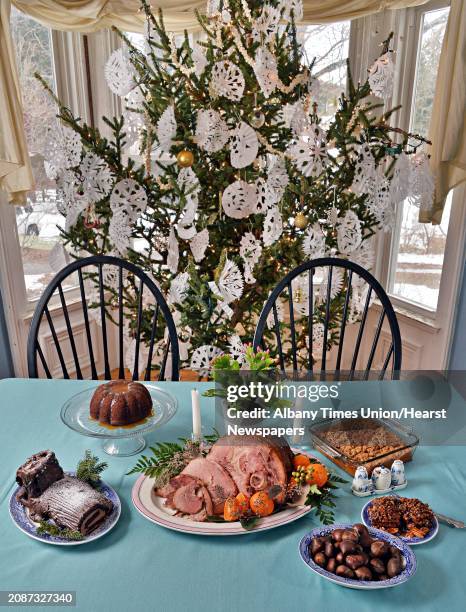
(50, 494)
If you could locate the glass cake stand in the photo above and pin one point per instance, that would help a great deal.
(118, 441)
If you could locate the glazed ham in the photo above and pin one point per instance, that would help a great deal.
(254, 463)
(234, 464)
(217, 480)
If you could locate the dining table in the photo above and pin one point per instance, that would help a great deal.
(139, 565)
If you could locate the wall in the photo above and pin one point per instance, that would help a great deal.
(6, 364)
(458, 349)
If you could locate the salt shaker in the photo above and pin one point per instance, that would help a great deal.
(381, 478)
(361, 481)
(398, 472)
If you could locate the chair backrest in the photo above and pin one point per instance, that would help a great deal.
(343, 295)
(118, 287)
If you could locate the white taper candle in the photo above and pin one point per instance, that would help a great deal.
(197, 423)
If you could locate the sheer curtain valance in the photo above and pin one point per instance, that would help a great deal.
(449, 157)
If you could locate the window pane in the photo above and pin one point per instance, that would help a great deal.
(417, 259)
(328, 47)
(37, 221)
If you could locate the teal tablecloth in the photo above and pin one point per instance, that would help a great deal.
(140, 566)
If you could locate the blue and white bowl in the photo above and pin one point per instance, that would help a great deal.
(20, 517)
(430, 535)
(407, 556)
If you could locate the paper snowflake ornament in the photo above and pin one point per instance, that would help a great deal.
(309, 153)
(401, 179)
(250, 251)
(178, 288)
(230, 284)
(237, 348)
(173, 255)
(185, 232)
(378, 200)
(280, 315)
(317, 336)
(63, 150)
(273, 226)
(133, 115)
(263, 200)
(349, 233)
(202, 358)
(299, 120)
(243, 146)
(227, 80)
(166, 129)
(422, 183)
(213, 7)
(314, 242)
(97, 177)
(265, 69)
(119, 232)
(381, 76)
(239, 199)
(211, 131)
(266, 25)
(130, 197)
(199, 244)
(300, 291)
(130, 355)
(335, 287)
(364, 255)
(365, 170)
(74, 211)
(289, 7)
(199, 59)
(120, 73)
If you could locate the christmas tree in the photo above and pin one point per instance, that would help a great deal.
(240, 181)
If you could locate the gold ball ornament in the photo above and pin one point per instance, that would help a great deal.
(185, 159)
(300, 221)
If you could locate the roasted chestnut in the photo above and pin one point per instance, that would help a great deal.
(340, 557)
(355, 561)
(320, 559)
(317, 545)
(393, 566)
(350, 534)
(377, 565)
(347, 546)
(331, 565)
(344, 571)
(336, 534)
(329, 550)
(379, 548)
(363, 573)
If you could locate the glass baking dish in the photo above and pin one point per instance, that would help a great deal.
(340, 439)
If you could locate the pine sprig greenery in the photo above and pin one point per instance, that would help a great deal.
(54, 530)
(169, 458)
(322, 498)
(90, 468)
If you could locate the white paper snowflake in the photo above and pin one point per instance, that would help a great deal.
(119, 232)
(280, 315)
(199, 244)
(97, 177)
(349, 233)
(263, 200)
(239, 199)
(199, 59)
(265, 69)
(332, 216)
(133, 115)
(178, 288)
(277, 175)
(213, 7)
(130, 197)
(250, 251)
(202, 358)
(265, 26)
(421, 181)
(130, 354)
(365, 254)
(317, 336)
(166, 128)
(314, 242)
(381, 76)
(243, 145)
(227, 80)
(365, 170)
(211, 131)
(400, 183)
(237, 348)
(299, 120)
(74, 211)
(378, 199)
(120, 73)
(186, 232)
(300, 290)
(273, 226)
(336, 286)
(292, 6)
(309, 153)
(173, 255)
(230, 284)
(63, 150)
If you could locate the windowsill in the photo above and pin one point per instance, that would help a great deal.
(410, 316)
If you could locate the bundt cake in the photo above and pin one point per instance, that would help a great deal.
(120, 402)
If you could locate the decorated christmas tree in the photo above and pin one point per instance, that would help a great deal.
(240, 181)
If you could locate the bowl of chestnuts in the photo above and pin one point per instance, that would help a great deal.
(357, 556)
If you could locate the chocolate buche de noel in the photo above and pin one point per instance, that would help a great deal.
(50, 494)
